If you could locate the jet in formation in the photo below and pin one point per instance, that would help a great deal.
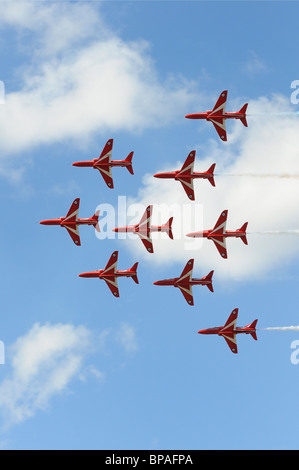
(186, 175)
(71, 222)
(185, 282)
(219, 234)
(110, 274)
(230, 330)
(218, 115)
(144, 229)
(104, 163)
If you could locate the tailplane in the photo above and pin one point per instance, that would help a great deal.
(209, 278)
(129, 160)
(134, 271)
(253, 326)
(95, 217)
(167, 227)
(243, 237)
(243, 111)
(211, 173)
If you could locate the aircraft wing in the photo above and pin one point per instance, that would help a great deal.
(106, 174)
(187, 293)
(185, 277)
(112, 284)
(219, 124)
(111, 266)
(187, 272)
(220, 243)
(228, 331)
(146, 240)
(73, 231)
(187, 169)
(106, 154)
(72, 216)
(188, 187)
(105, 158)
(73, 212)
(143, 229)
(188, 165)
(231, 340)
(220, 225)
(220, 105)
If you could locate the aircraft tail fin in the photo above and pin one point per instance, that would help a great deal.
(211, 173)
(134, 271)
(95, 217)
(243, 111)
(167, 227)
(129, 160)
(243, 237)
(209, 278)
(253, 325)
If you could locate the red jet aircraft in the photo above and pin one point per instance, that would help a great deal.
(219, 234)
(104, 163)
(185, 282)
(144, 229)
(71, 221)
(186, 175)
(218, 115)
(110, 274)
(230, 330)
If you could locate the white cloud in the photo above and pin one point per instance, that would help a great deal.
(126, 337)
(43, 363)
(80, 83)
(268, 146)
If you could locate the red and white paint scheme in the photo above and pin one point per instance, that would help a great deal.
(185, 282)
(144, 229)
(218, 115)
(219, 234)
(186, 175)
(110, 274)
(71, 221)
(104, 163)
(230, 330)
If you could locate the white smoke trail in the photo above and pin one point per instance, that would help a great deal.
(275, 232)
(283, 328)
(285, 113)
(260, 175)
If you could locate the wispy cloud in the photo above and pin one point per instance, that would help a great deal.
(43, 363)
(78, 83)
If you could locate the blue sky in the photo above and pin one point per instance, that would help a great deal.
(84, 370)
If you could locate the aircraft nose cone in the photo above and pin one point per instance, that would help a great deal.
(191, 235)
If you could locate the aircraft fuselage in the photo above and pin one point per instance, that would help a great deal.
(93, 164)
(62, 221)
(209, 234)
(219, 331)
(101, 273)
(210, 117)
(174, 282)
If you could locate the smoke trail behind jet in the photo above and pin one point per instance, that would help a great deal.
(282, 328)
(275, 232)
(261, 175)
